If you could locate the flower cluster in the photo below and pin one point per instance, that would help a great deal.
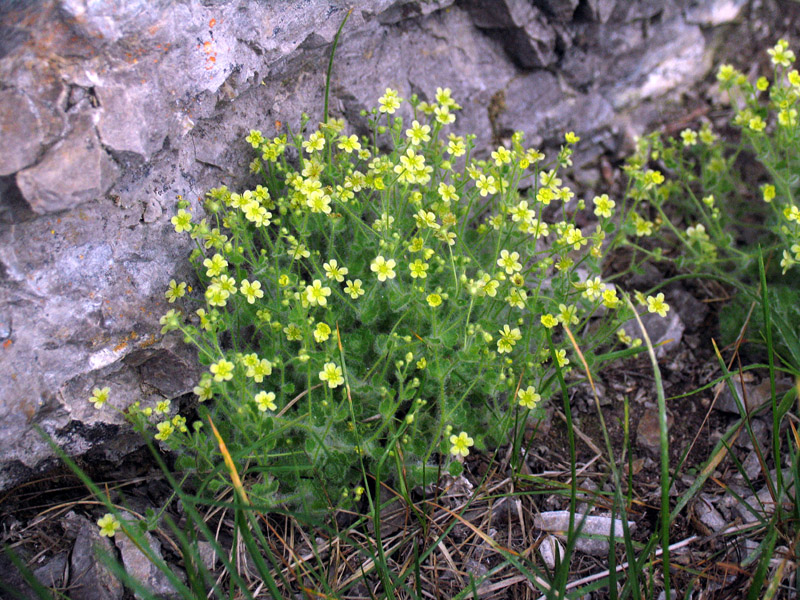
(359, 302)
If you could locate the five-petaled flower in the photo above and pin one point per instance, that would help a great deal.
(222, 370)
(461, 444)
(418, 269)
(332, 374)
(334, 271)
(656, 304)
(603, 205)
(528, 398)
(100, 396)
(384, 268)
(215, 265)
(434, 300)
(251, 291)
(265, 401)
(108, 525)
(509, 261)
(354, 289)
(317, 294)
(508, 337)
(176, 290)
(182, 221)
(389, 102)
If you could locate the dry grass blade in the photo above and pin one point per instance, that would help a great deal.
(226, 456)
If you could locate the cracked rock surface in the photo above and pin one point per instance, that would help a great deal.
(109, 109)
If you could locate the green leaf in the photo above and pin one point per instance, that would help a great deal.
(455, 469)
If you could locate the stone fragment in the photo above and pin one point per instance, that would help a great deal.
(557, 522)
(76, 170)
(130, 119)
(53, 573)
(749, 394)
(502, 14)
(714, 12)
(140, 567)
(561, 10)
(533, 45)
(549, 548)
(21, 134)
(709, 515)
(401, 10)
(208, 555)
(665, 333)
(648, 433)
(90, 579)
(520, 27)
(598, 10)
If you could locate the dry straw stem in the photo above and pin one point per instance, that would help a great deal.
(226, 456)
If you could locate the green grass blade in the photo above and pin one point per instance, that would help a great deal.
(664, 449)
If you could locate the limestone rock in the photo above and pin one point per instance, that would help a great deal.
(75, 170)
(21, 139)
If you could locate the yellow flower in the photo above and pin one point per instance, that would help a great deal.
(510, 262)
(548, 320)
(756, 124)
(389, 102)
(100, 396)
(561, 358)
(265, 401)
(215, 265)
(354, 289)
(349, 144)
(486, 185)
(603, 205)
(176, 290)
(384, 268)
(216, 296)
(322, 332)
(316, 294)
(334, 271)
(528, 398)
(610, 299)
(508, 337)
(780, 54)
(222, 370)
(516, 298)
(461, 444)
(165, 429)
(593, 288)
(418, 133)
(689, 137)
(434, 300)
(567, 314)
(251, 291)
(657, 305)
(332, 374)
(260, 368)
(108, 525)
(182, 221)
(418, 269)
(293, 332)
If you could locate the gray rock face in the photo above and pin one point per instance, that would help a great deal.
(110, 109)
